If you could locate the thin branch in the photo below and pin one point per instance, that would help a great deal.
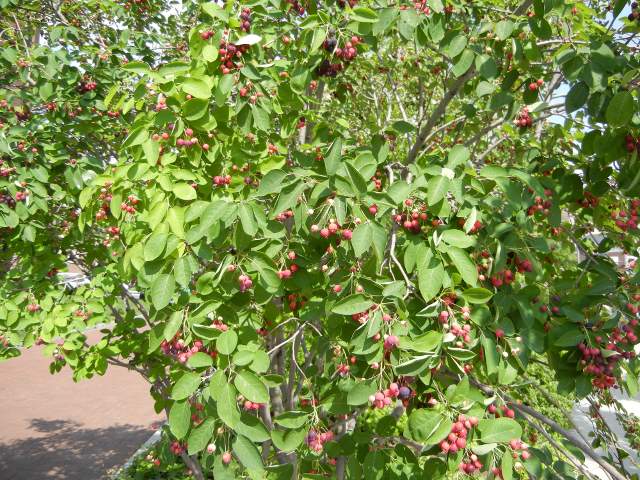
(571, 436)
(438, 113)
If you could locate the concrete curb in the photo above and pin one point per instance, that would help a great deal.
(150, 442)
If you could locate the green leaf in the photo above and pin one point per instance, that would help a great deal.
(271, 183)
(361, 239)
(261, 118)
(195, 109)
(620, 109)
(491, 357)
(162, 289)
(247, 453)
(464, 63)
(197, 88)
(576, 97)
(184, 191)
(457, 238)
(180, 419)
(252, 428)
(173, 325)
(464, 265)
(458, 155)
(224, 88)
(199, 360)
(215, 11)
(499, 430)
(248, 221)
(332, 159)
(227, 405)
(151, 150)
(201, 436)
(437, 188)
(227, 342)
(359, 394)
(425, 343)
(185, 386)
(209, 53)
(504, 29)
(293, 419)
(427, 426)
(182, 271)
(288, 440)
(249, 385)
(136, 67)
(364, 15)
(430, 276)
(353, 304)
(455, 46)
(477, 295)
(250, 39)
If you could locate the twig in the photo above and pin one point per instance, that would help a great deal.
(437, 114)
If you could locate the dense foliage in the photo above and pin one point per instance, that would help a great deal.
(334, 236)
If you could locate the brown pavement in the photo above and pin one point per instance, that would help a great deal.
(54, 428)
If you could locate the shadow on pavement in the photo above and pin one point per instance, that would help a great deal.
(64, 450)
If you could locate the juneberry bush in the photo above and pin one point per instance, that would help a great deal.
(337, 238)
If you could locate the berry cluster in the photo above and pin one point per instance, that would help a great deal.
(533, 86)
(296, 301)
(471, 465)
(190, 141)
(229, 54)
(411, 220)
(462, 332)
(245, 18)
(33, 308)
(177, 448)
(251, 406)
(221, 180)
(627, 221)
(6, 171)
(377, 181)
(272, 149)
(506, 411)
(316, 440)
(631, 143)
(219, 324)
(87, 86)
(519, 448)
(282, 216)
(457, 438)
(180, 350)
(523, 120)
(342, 369)
(385, 397)
(477, 225)
(328, 69)
(420, 6)
(589, 200)
(245, 283)
(207, 34)
(343, 3)
(8, 200)
(129, 205)
(635, 13)
(293, 268)
(391, 342)
(295, 5)
(540, 204)
(161, 104)
(333, 228)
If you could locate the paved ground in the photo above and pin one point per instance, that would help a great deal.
(53, 428)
